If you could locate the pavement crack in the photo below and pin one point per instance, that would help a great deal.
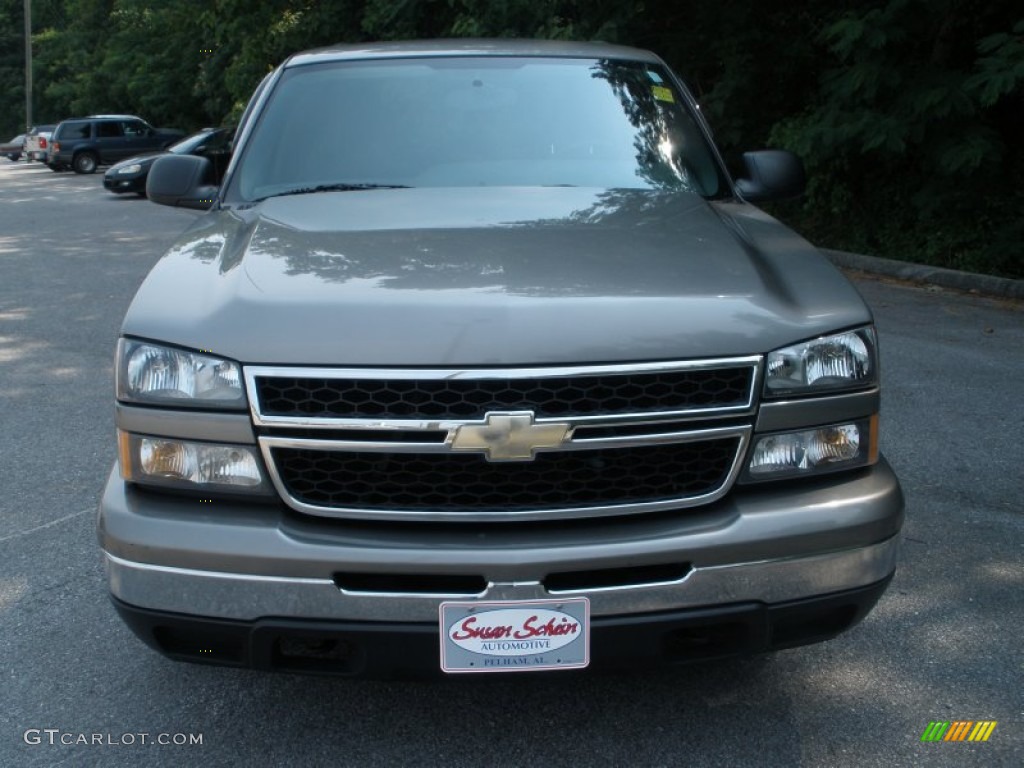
(44, 526)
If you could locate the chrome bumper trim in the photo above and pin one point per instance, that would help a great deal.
(247, 597)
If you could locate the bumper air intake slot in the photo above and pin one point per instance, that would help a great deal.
(411, 584)
(616, 578)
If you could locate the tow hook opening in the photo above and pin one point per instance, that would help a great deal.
(316, 652)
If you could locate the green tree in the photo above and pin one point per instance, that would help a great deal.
(12, 69)
(249, 39)
(907, 112)
(12, 65)
(151, 60)
(913, 137)
(69, 55)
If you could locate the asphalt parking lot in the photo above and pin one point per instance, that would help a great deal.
(77, 688)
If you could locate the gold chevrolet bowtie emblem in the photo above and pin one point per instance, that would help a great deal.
(508, 436)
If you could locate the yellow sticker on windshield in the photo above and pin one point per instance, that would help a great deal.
(661, 93)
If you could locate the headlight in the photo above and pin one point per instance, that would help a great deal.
(157, 375)
(841, 361)
(133, 168)
(814, 451)
(191, 466)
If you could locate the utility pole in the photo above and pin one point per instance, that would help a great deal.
(28, 65)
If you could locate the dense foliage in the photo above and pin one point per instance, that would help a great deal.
(908, 113)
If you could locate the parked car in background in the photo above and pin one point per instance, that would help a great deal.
(13, 148)
(37, 142)
(130, 175)
(85, 143)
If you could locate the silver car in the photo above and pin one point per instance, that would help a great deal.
(37, 142)
(503, 373)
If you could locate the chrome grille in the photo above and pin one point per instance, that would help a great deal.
(503, 445)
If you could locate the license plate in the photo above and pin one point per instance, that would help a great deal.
(515, 635)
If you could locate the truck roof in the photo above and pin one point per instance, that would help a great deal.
(470, 47)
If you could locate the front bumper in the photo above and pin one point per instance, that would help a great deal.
(228, 559)
(410, 650)
(244, 597)
(119, 184)
(180, 568)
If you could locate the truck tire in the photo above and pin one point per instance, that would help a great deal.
(84, 162)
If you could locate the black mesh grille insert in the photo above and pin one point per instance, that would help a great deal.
(468, 483)
(585, 395)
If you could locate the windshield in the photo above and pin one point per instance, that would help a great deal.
(476, 121)
(214, 139)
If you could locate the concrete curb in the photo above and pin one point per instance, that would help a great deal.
(1002, 287)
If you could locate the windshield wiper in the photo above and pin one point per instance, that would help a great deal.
(331, 188)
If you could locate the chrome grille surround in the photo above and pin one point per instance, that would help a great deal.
(672, 426)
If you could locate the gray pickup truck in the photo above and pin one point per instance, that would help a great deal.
(505, 373)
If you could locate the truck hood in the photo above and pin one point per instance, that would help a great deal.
(489, 276)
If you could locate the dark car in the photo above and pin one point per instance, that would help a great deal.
(12, 149)
(130, 175)
(84, 143)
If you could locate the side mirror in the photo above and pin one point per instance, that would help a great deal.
(772, 174)
(182, 181)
